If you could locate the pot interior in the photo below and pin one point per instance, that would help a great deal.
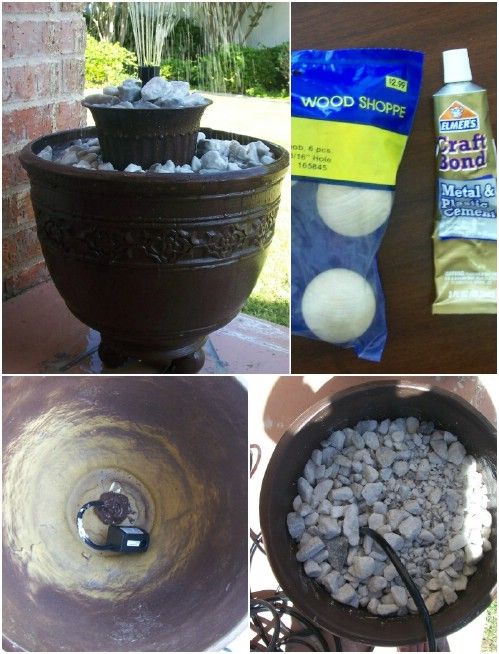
(177, 450)
(377, 400)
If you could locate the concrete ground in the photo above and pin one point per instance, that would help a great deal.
(41, 335)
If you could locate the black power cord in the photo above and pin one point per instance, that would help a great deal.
(81, 529)
(278, 605)
(408, 582)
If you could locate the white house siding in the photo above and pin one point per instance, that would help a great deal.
(273, 28)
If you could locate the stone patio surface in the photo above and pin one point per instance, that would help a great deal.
(41, 335)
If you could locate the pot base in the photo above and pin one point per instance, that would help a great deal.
(186, 360)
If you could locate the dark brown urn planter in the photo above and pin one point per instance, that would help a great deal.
(147, 136)
(177, 448)
(154, 262)
(373, 400)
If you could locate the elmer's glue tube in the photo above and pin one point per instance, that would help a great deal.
(465, 234)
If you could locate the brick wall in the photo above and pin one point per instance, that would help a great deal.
(43, 80)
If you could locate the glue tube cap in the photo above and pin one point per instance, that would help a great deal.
(456, 66)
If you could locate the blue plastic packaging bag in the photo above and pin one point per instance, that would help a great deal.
(352, 111)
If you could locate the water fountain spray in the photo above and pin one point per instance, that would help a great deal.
(152, 22)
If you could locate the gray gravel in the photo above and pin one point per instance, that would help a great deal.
(156, 94)
(212, 156)
(413, 484)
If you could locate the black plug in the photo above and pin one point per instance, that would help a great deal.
(127, 539)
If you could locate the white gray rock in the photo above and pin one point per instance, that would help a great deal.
(372, 492)
(376, 520)
(390, 572)
(332, 582)
(457, 542)
(133, 168)
(439, 446)
(371, 440)
(346, 595)
(399, 594)
(310, 549)
(363, 567)
(214, 160)
(412, 425)
(311, 519)
(400, 468)
(343, 494)
(456, 453)
(337, 439)
(413, 506)
(312, 568)
(434, 602)
(84, 164)
(386, 609)
(410, 527)
(394, 540)
(395, 517)
(351, 524)
(70, 158)
(46, 153)
(370, 474)
(385, 456)
(296, 525)
(328, 527)
(380, 507)
(321, 491)
(157, 87)
(106, 166)
(450, 595)
(305, 490)
(376, 584)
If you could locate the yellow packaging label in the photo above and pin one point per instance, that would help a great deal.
(329, 150)
(396, 83)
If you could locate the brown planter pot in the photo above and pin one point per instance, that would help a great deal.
(374, 400)
(154, 262)
(147, 136)
(178, 449)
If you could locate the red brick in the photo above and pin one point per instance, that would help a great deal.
(72, 6)
(17, 210)
(25, 38)
(19, 247)
(69, 115)
(66, 36)
(34, 273)
(12, 171)
(73, 76)
(28, 7)
(25, 124)
(36, 81)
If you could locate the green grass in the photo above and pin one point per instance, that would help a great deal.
(489, 642)
(270, 297)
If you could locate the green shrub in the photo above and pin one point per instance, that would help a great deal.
(108, 63)
(235, 69)
(185, 37)
(232, 69)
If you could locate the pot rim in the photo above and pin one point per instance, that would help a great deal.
(30, 159)
(276, 562)
(142, 111)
